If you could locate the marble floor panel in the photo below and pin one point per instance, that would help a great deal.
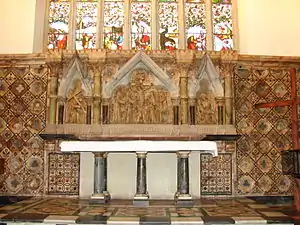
(65, 211)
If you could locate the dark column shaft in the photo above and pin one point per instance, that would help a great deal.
(183, 173)
(141, 176)
(100, 173)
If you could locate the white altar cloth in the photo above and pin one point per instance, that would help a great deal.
(139, 146)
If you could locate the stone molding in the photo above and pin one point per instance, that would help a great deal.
(83, 131)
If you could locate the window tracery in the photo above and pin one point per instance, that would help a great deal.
(140, 24)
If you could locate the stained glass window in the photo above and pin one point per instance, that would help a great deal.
(195, 18)
(113, 24)
(59, 17)
(86, 24)
(168, 24)
(222, 24)
(141, 25)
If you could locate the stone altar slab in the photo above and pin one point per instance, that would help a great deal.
(139, 146)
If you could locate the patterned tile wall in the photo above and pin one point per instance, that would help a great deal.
(216, 174)
(22, 118)
(265, 131)
(63, 173)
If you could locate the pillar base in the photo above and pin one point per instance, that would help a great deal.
(183, 199)
(141, 200)
(101, 198)
(107, 195)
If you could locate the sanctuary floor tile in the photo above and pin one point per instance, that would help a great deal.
(252, 210)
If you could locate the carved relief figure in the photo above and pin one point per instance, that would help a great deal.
(76, 104)
(206, 109)
(140, 102)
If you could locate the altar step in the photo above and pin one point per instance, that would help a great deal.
(250, 210)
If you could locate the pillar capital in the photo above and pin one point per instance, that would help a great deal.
(183, 154)
(100, 154)
(141, 154)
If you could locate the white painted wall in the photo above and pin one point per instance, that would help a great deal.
(269, 27)
(17, 26)
(266, 27)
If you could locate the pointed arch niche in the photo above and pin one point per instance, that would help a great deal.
(141, 92)
(206, 94)
(74, 94)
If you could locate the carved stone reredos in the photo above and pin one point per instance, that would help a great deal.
(207, 79)
(74, 72)
(143, 62)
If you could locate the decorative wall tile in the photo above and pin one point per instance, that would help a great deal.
(24, 173)
(216, 174)
(63, 173)
(266, 131)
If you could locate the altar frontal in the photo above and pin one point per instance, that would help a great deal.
(141, 147)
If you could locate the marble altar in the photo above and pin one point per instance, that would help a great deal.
(141, 147)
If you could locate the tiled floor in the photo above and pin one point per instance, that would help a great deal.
(252, 210)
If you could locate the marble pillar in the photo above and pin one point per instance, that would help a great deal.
(183, 188)
(141, 197)
(100, 195)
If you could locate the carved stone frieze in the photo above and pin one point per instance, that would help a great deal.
(139, 130)
(141, 102)
(206, 109)
(144, 62)
(76, 104)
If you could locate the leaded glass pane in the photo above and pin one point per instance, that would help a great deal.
(141, 25)
(168, 25)
(113, 24)
(167, 0)
(86, 24)
(221, 1)
(59, 16)
(195, 1)
(222, 25)
(195, 25)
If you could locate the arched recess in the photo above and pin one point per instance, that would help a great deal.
(140, 61)
(74, 92)
(207, 78)
(207, 94)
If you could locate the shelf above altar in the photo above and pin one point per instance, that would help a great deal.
(154, 132)
(139, 146)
